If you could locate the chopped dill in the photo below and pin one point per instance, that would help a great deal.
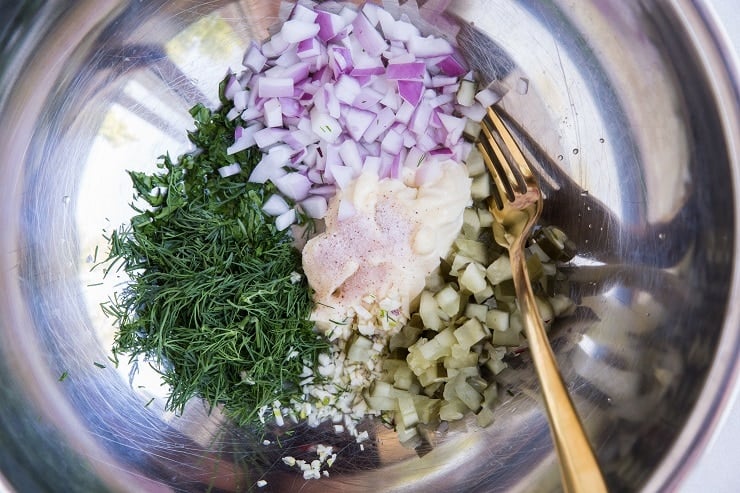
(212, 300)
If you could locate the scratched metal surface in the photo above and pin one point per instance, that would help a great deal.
(627, 107)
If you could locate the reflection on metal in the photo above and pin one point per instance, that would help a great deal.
(98, 87)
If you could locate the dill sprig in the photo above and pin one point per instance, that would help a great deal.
(213, 301)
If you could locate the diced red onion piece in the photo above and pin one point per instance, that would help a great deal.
(240, 99)
(391, 100)
(383, 120)
(295, 30)
(297, 71)
(265, 171)
(405, 112)
(426, 174)
(331, 159)
(367, 98)
(350, 155)
(369, 37)
(476, 112)
(441, 99)
(276, 46)
(273, 113)
(371, 165)
(329, 25)
(487, 97)
(345, 210)
(346, 89)
(392, 142)
(291, 107)
(229, 170)
(442, 81)
(450, 65)
(357, 121)
(308, 48)
(454, 127)
(293, 185)
(244, 138)
(303, 13)
(414, 158)
(232, 86)
(426, 47)
(268, 136)
(396, 165)
(359, 72)
(284, 220)
(254, 60)
(420, 120)
(340, 60)
(332, 103)
(275, 205)
(324, 126)
(286, 60)
(343, 175)
(406, 71)
(315, 206)
(324, 190)
(232, 114)
(274, 87)
(410, 91)
(372, 12)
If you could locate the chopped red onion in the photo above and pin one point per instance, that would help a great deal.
(369, 37)
(293, 185)
(487, 97)
(337, 91)
(308, 48)
(284, 220)
(254, 60)
(274, 87)
(358, 121)
(324, 126)
(275, 205)
(329, 25)
(380, 124)
(450, 65)
(346, 210)
(303, 13)
(406, 71)
(229, 170)
(296, 30)
(343, 175)
(232, 86)
(268, 136)
(315, 206)
(426, 47)
(273, 113)
(411, 91)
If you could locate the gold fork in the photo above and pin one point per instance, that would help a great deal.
(516, 207)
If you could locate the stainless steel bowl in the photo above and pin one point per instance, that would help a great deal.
(631, 111)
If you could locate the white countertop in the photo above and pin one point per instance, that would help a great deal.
(718, 469)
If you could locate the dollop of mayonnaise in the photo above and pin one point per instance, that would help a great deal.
(383, 238)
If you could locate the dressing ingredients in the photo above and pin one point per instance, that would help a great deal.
(383, 238)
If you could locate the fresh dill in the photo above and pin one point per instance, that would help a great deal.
(212, 300)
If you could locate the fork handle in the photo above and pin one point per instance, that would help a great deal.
(578, 466)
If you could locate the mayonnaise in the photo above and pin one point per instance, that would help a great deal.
(383, 238)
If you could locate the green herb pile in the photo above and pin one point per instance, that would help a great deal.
(214, 301)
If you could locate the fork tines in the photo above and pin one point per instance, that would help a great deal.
(503, 157)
